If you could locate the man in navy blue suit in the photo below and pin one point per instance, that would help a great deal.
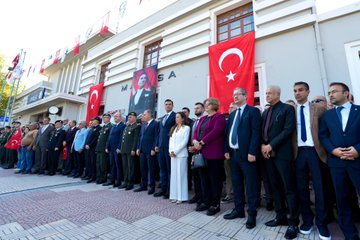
(146, 151)
(339, 134)
(165, 124)
(113, 146)
(242, 144)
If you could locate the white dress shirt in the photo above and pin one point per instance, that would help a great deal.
(309, 139)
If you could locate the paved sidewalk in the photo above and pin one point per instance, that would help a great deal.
(58, 207)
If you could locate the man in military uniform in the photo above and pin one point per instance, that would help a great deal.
(4, 137)
(55, 147)
(128, 150)
(101, 156)
(90, 145)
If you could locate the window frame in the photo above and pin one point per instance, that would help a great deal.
(149, 50)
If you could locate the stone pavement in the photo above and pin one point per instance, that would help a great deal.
(58, 207)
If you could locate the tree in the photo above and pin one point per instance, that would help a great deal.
(6, 94)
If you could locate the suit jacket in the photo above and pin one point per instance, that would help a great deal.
(248, 132)
(214, 136)
(146, 101)
(148, 136)
(332, 136)
(163, 140)
(92, 137)
(316, 112)
(114, 140)
(281, 129)
(179, 140)
(130, 138)
(42, 139)
(70, 135)
(56, 139)
(103, 137)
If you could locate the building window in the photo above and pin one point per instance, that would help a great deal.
(234, 23)
(152, 52)
(256, 90)
(104, 70)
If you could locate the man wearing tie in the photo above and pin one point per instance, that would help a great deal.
(241, 147)
(146, 151)
(309, 153)
(113, 146)
(166, 122)
(278, 125)
(55, 146)
(339, 134)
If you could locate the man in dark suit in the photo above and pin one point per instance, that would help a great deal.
(186, 111)
(143, 99)
(113, 146)
(90, 146)
(339, 134)
(41, 143)
(101, 156)
(242, 144)
(128, 150)
(165, 124)
(309, 153)
(68, 141)
(55, 147)
(278, 125)
(146, 151)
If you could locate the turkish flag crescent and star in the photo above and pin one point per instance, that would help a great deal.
(95, 94)
(14, 142)
(231, 66)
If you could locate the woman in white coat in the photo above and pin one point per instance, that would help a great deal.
(179, 138)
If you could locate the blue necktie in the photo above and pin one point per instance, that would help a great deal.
(338, 112)
(236, 125)
(302, 124)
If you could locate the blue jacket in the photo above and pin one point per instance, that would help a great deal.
(80, 138)
(114, 140)
(148, 136)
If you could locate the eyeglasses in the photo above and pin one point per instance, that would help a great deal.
(317, 100)
(334, 91)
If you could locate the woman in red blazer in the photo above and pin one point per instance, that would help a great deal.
(209, 140)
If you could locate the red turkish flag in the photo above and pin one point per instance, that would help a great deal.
(42, 67)
(56, 59)
(14, 142)
(76, 50)
(95, 94)
(16, 60)
(232, 65)
(105, 24)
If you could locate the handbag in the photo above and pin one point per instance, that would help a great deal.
(198, 161)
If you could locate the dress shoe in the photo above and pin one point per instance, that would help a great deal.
(277, 222)
(108, 184)
(90, 180)
(194, 200)
(151, 191)
(129, 187)
(324, 233)
(140, 189)
(291, 232)
(213, 210)
(76, 176)
(51, 173)
(116, 185)
(251, 222)
(159, 194)
(234, 214)
(202, 207)
(18, 171)
(166, 196)
(122, 186)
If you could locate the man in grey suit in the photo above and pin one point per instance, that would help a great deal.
(41, 143)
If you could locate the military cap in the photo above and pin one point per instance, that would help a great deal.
(60, 121)
(132, 114)
(106, 115)
(97, 119)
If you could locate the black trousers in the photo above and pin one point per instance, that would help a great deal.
(283, 187)
(128, 163)
(53, 160)
(211, 182)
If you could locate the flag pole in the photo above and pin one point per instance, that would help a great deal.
(17, 88)
(4, 83)
(10, 96)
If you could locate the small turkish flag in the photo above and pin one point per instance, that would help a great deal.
(14, 142)
(56, 59)
(76, 50)
(95, 94)
(42, 67)
(16, 60)
(232, 65)
(105, 24)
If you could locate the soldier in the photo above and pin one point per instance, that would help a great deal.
(128, 150)
(5, 133)
(90, 145)
(55, 147)
(101, 155)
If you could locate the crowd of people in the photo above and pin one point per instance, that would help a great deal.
(287, 148)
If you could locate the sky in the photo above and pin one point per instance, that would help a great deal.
(41, 27)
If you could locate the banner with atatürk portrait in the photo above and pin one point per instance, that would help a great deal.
(143, 91)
